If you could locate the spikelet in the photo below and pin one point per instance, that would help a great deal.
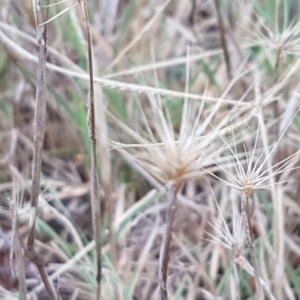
(177, 157)
(256, 174)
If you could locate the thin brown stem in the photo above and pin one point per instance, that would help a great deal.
(165, 246)
(223, 40)
(95, 199)
(246, 215)
(38, 141)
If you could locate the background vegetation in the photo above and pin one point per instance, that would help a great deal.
(243, 66)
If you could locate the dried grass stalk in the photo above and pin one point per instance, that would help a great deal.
(245, 211)
(39, 133)
(95, 199)
(223, 40)
(241, 261)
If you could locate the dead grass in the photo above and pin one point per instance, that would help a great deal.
(156, 127)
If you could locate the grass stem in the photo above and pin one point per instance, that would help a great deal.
(38, 140)
(95, 199)
(165, 246)
(223, 40)
(246, 215)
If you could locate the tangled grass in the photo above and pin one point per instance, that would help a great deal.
(149, 149)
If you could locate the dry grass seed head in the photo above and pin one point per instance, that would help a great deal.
(174, 157)
(285, 42)
(254, 176)
(229, 239)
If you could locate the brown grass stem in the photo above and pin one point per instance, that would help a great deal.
(223, 40)
(246, 215)
(38, 140)
(95, 199)
(165, 246)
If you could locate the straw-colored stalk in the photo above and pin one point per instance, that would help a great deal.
(95, 199)
(39, 134)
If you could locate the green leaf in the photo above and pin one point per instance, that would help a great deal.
(180, 288)
(127, 15)
(3, 61)
(294, 278)
(268, 209)
(44, 228)
(77, 113)
(135, 209)
(116, 103)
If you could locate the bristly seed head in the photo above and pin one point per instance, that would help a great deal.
(247, 188)
(174, 157)
(176, 162)
(230, 239)
(254, 176)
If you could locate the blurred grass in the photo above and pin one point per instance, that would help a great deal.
(73, 107)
